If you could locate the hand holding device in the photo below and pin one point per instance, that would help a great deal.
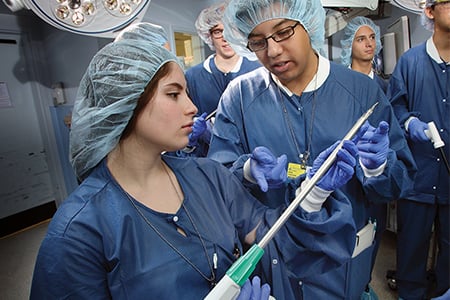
(198, 129)
(373, 146)
(266, 169)
(340, 171)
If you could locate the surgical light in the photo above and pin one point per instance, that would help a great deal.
(102, 18)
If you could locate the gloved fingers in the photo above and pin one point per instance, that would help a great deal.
(420, 136)
(361, 131)
(367, 147)
(383, 128)
(246, 291)
(350, 146)
(263, 156)
(265, 291)
(256, 288)
(279, 171)
(261, 180)
(367, 155)
(417, 129)
(325, 153)
(203, 115)
(346, 156)
(345, 169)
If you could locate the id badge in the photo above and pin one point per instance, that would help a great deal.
(294, 170)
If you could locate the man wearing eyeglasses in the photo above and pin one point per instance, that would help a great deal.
(299, 105)
(207, 80)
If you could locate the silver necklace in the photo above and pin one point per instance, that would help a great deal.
(212, 278)
(304, 157)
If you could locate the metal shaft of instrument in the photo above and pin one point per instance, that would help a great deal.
(312, 182)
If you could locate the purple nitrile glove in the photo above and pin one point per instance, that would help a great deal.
(198, 129)
(416, 130)
(252, 290)
(373, 146)
(266, 169)
(342, 169)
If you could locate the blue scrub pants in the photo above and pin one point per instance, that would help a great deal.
(415, 221)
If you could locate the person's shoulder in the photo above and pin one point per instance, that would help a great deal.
(251, 63)
(194, 69)
(78, 206)
(254, 77)
(344, 73)
(201, 162)
(413, 54)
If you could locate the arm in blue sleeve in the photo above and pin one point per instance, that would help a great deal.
(397, 177)
(67, 269)
(228, 142)
(397, 94)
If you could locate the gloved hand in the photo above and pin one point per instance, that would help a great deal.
(198, 129)
(254, 291)
(416, 130)
(373, 146)
(340, 171)
(266, 169)
(206, 136)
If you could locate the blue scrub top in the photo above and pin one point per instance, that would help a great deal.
(431, 102)
(206, 82)
(99, 247)
(250, 114)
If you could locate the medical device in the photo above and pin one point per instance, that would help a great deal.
(229, 286)
(435, 138)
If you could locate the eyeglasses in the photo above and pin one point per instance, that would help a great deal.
(216, 33)
(281, 35)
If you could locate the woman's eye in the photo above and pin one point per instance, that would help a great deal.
(173, 95)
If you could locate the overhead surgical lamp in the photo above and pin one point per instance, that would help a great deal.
(102, 18)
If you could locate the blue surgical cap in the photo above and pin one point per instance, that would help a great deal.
(349, 35)
(143, 30)
(207, 19)
(107, 96)
(242, 16)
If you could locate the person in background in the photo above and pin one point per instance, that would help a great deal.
(360, 45)
(298, 105)
(419, 90)
(146, 225)
(207, 80)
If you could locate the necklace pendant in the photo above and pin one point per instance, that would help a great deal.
(213, 284)
(304, 159)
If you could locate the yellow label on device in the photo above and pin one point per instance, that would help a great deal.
(294, 170)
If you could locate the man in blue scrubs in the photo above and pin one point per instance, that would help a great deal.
(419, 91)
(207, 80)
(360, 45)
(298, 105)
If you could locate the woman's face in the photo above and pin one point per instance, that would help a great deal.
(167, 119)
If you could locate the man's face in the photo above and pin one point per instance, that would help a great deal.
(289, 59)
(222, 47)
(364, 44)
(440, 13)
